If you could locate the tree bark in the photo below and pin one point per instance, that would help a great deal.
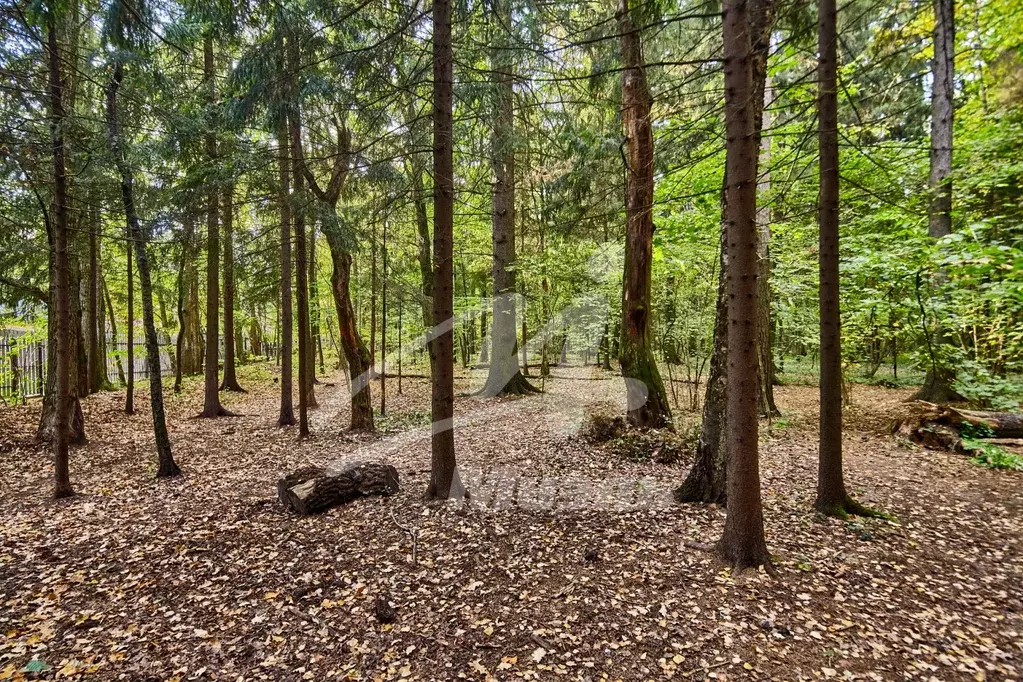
(62, 479)
(230, 382)
(113, 331)
(647, 401)
(166, 464)
(311, 490)
(360, 366)
(96, 362)
(742, 543)
(504, 376)
(444, 481)
(383, 326)
(761, 80)
(287, 411)
(188, 348)
(129, 396)
(940, 376)
(211, 380)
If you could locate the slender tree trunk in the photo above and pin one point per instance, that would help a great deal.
(444, 481)
(314, 299)
(187, 347)
(113, 332)
(423, 244)
(166, 465)
(504, 376)
(360, 367)
(767, 405)
(61, 445)
(373, 294)
(287, 412)
(97, 378)
(383, 327)
(129, 399)
(707, 481)
(940, 376)
(230, 382)
(211, 384)
(742, 544)
(647, 401)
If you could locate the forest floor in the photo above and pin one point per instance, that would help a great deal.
(571, 562)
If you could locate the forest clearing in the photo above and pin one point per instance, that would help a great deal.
(505, 339)
(207, 577)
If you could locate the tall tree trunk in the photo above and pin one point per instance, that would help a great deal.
(287, 412)
(444, 481)
(832, 498)
(129, 398)
(211, 383)
(742, 544)
(62, 479)
(189, 348)
(423, 244)
(504, 376)
(96, 364)
(647, 401)
(167, 466)
(315, 314)
(940, 376)
(230, 382)
(767, 405)
(383, 327)
(707, 481)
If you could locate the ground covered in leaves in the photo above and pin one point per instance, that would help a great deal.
(570, 562)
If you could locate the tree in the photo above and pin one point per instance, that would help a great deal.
(167, 466)
(189, 343)
(832, 498)
(211, 380)
(941, 375)
(504, 376)
(707, 480)
(444, 481)
(62, 480)
(742, 544)
(230, 382)
(287, 411)
(647, 401)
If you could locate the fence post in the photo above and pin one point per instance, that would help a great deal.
(39, 367)
(16, 376)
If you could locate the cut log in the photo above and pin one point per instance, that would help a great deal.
(940, 426)
(314, 489)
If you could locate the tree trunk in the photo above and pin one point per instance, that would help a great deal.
(129, 396)
(113, 331)
(647, 401)
(742, 543)
(360, 368)
(211, 384)
(503, 376)
(287, 412)
(940, 377)
(230, 382)
(423, 243)
(96, 364)
(62, 479)
(167, 466)
(383, 327)
(761, 80)
(707, 481)
(315, 314)
(189, 348)
(444, 481)
(305, 385)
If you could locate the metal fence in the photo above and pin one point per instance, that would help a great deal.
(23, 362)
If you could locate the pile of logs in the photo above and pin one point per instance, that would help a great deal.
(941, 426)
(314, 489)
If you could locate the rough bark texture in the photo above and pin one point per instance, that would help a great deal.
(166, 465)
(444, 481)
(97, 365)
(129, 394)
(742, 543)
(647, 401)
(305, 359)
(765, 93)
(832, 498)
(230, 382)
(360, 365)
(61, 480)
(313, 489)
(189, 344)
(423, 245)
(211, 381)
(287, 412)
(504, 376)
(940, 376)
(707, 479)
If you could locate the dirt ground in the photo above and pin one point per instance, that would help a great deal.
(569, 563)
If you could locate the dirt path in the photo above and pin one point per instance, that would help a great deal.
(570, 563)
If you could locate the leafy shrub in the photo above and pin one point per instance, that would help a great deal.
(978, 385)
(602, 427)
(991, 456)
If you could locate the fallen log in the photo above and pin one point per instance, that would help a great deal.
(314, 489)
(942, 426)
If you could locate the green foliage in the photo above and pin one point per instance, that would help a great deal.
(991, 456)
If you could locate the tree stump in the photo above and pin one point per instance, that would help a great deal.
(314, 489)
